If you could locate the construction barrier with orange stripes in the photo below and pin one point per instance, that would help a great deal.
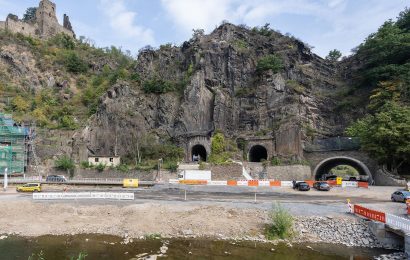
(370, 214)
(263, 183)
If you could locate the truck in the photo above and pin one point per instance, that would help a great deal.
(198, 175)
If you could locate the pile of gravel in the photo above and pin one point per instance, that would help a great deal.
(346, 231)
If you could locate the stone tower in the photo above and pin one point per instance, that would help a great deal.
(46, 18)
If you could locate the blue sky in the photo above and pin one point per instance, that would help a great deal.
(132, 24)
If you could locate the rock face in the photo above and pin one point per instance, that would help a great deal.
(221, 90)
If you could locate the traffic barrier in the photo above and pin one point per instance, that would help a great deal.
(346, 184)
(219, 183)
(253, 183)
(193, 182)
(173, 181)
(332, 183)
(264, 183)
(398, 222)
(286, 184)
(362, 184)
(82, 195)
(242, 183)
(130, 183)
(370, 214)
(275, 183)
(232, 183)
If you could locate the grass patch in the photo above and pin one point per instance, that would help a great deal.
(281, 223)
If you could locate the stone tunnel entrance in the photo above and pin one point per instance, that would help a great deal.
(258, 153)
(198, 153)
(324, 167)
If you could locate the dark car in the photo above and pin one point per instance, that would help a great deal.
(56, 178)
(330, 178)
(302, 186)
(400, 196)
(321, 185)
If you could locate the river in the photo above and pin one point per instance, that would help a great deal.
(110, 247)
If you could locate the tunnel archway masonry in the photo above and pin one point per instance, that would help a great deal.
(326, 165)
(315, 158)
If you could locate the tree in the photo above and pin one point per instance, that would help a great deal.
(269, 62)
(334, 55)
(30, 14)
(386, 135)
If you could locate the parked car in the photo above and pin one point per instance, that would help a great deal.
(56, 178)
(330, 178)
(321, 185)
(400, 196)
(302, 186)
(29, 187)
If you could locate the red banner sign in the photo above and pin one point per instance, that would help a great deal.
(370, 214)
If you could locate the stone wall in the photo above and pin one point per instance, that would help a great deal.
(289, 173)
(231, 171)
(15, 25)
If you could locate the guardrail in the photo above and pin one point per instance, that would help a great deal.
(84, 181)
(391, 220)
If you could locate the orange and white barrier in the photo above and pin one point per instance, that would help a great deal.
(393, 221)
(265, 183)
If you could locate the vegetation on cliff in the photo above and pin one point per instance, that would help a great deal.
(385, 58)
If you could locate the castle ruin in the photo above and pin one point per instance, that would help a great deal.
(44, 25)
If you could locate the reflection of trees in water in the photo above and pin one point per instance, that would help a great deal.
(344, 170)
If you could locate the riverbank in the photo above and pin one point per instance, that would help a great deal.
(174, 220)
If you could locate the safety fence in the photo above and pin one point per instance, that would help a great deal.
(391, 220)
(83, 195)
(265, 183)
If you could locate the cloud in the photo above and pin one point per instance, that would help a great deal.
(123, 22)
(195, 14)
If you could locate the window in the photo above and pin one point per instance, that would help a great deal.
(111, 159)
(97, 160)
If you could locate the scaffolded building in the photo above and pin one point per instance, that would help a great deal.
(14, 146)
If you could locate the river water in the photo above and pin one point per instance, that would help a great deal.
(110, 247)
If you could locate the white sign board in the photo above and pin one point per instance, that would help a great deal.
(264, 183)
(242, 183)
(286, 184)
(83, 195)
(346, 184)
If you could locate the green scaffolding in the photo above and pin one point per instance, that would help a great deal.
(13, 146)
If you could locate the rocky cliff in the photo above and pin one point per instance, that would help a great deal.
(217, 87)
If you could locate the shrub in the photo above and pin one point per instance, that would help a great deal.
(64, 163)
(281, 223)
(75, 64)
(100, 167)
(86, 165)
(122, 168)
(158, 86)
(275, 161)
(269, 62)
(20, 104)
(172, 166)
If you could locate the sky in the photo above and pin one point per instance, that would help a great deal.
(133, 24)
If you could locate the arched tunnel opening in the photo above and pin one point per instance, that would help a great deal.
(258, 153)
(342, 167)
(199, 153)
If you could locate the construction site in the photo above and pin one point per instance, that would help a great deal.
(15, 146)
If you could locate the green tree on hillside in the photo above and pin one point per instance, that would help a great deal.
(386, 135)
(334, 55)
(30, 14)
